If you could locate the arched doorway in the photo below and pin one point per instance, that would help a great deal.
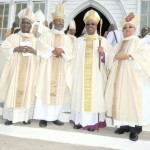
(80, 23)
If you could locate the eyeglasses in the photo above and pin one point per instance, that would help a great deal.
(92, 24)
(130, 27)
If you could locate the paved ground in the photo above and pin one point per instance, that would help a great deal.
(15, 143)
(108, 131)
(12, 143)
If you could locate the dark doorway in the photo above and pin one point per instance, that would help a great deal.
(80, 23)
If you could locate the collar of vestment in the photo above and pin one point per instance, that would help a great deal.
(72, 36)
(57, 31)
(86, 36)
(26, 34)
(130, 37)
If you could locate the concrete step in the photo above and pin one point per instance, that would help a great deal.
(65, 118)
(105, 138)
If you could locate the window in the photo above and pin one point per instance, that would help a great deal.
(4, 12)
(39, 6)
(19, 7)
(145, 14)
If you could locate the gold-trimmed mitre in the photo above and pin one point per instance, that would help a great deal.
(27, 13)
(59, 12)
(131, 18)
(91, 15)
(72, 25)
(40, 16)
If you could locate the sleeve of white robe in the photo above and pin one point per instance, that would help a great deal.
(67, 48)
(44, 49)
(6, 47)
(142, 56)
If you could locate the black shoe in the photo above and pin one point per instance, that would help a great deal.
(133, 136)
(90, 129)
(121, 131)
(26, 123)
(43, 123)
(7, 122)
(77, 127)
(57, 122)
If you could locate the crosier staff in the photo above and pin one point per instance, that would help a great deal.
(100, 38)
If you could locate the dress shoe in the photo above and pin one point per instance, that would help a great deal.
(26, 123)
(8, 122)
(133, 136)
(43, 123)
(90, 129)
(121, 131)
(77, 127)
(57, 122)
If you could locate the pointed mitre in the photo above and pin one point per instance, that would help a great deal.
(40, 16)
(131, 18)
(27, 13)
(72, 25)
(91, 15)
(59, 12)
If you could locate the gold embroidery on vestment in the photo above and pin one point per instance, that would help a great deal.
(22, 78)
(88, 67)
(116, 83)
(35, 30)
(55, 64)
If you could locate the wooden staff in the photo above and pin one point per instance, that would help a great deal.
(100, 38)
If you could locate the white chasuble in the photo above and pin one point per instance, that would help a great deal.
(17, 83)
(53, 90)
(126, 93)
(88, 80)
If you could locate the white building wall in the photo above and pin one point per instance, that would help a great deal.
(114, 10)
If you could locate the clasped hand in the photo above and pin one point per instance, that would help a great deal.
(101, 50)
(25, 49)
(121, 56)
(58, 51)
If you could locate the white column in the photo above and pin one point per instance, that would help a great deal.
(11, 14)
(138, 32)
(30, 4)
(47, 3)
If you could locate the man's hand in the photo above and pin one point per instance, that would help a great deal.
(101, 50)
(46, 23)
(20, 49)
(25, 49)
(121, 56)
(57, 51)
(31, 50)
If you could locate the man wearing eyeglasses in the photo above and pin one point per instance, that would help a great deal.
(127, 95)
(146, 35)
(88, 108)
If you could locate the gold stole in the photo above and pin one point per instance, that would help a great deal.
(72, 39)
(35, 30)
(88, 67)
(22, 78)
(117, 87)
(55, 65)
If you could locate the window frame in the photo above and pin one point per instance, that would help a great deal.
(143, 15)
(39, 2)
(15, 15)
(3, 16)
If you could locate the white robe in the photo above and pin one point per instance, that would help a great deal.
(44, 110)
(78, 113)
(17, 83)
(127, 93)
